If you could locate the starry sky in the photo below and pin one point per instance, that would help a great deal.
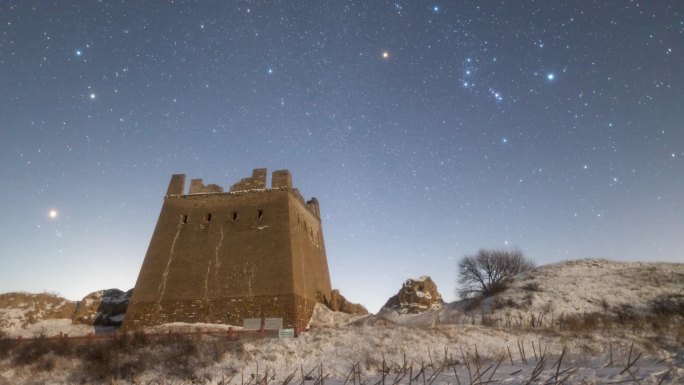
(427, 130)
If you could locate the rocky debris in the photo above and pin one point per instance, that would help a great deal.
(102, 308)
(339, 303)
(415, 296)
(324, 317)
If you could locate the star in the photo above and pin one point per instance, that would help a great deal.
(79, 52)
(550, 76)
(270, 71)
(92, 96)
(52, 214)
(385, 55)
(435, 8)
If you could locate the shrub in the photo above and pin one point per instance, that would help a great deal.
(29, 352)
(668, 305)
(486, 272)
(532, 286)
(7, 345)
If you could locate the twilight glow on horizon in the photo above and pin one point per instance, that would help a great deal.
(426, 129)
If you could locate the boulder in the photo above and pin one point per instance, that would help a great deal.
(415, 296)
(102, 308)
(339, 303)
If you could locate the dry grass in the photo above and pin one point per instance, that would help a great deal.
(122, 358)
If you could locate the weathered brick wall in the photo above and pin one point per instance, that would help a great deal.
(309, 260)
(230, 311)
(223, 257)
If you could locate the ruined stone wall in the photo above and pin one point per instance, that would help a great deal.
(222, 257)
(308, 253)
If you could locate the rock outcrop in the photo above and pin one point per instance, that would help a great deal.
(102, 308)
(415, 296)
(339, 303)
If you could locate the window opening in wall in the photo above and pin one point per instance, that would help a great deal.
(261, 214)
(235, 215)
(184, 218)
(207, 217)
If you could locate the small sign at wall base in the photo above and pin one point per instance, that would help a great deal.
(273, 323)
(251, 323)
(286, 333)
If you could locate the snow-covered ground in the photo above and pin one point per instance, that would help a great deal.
(443, 340)
(337, 349)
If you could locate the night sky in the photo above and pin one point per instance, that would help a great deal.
(427, 130)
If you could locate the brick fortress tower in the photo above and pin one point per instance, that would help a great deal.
(221, 257)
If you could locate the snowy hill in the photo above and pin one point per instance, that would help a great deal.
(570, 289)
(30, 315)
(26, 311)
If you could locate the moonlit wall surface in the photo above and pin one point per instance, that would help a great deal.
(427, 130)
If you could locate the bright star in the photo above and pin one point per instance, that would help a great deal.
(92, 96)
(551, 76)
(385, 55)
(270, 71)
(435, 8)
(53, 214)
(79, 52)
(504, 140)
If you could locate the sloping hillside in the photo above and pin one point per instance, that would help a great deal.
(21, 310)
(589, 286)
(548, 294)
(29, 315)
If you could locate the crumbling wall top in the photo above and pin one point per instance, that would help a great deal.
(256, 181)
(281, 180)
(176, 185)
(197, 187)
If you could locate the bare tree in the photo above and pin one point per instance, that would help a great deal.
(485, 273)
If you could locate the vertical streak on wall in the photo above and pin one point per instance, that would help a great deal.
(248, 270)
(162, 286)
(302, 263)
(217, 263)
(206, 282)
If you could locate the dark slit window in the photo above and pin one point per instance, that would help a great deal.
(207, 217)
(184, 218)
(261, 214)
(235, 215)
